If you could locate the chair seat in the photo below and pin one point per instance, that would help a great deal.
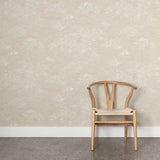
(126, 111)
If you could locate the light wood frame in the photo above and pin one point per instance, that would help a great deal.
(110, 101)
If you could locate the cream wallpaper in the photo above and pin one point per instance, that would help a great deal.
(51, 50)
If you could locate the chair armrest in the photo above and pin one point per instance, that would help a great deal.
(92, 97)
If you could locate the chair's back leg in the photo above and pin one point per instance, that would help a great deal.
(93, 130)
(125, 129)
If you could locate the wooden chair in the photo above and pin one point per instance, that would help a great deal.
(113, 112)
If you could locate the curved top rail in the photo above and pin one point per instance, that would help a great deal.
(111, 82)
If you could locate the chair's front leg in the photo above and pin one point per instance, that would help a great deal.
(135, 129)
(93, 130)
(125, 129)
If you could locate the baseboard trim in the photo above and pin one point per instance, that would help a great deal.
(101, 131)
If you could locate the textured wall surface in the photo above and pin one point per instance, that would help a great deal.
(51, 50)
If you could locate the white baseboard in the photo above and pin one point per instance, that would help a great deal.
(101, 131)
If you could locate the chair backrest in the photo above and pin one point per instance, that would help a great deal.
(110, 99)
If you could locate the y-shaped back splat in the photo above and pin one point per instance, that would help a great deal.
(111, 99)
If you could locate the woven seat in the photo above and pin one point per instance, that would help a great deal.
(126, 111)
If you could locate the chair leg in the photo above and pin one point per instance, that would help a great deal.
(93, 130)
(125, 129)
(135, 129)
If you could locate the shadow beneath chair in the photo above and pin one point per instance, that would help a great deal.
(114, 149)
